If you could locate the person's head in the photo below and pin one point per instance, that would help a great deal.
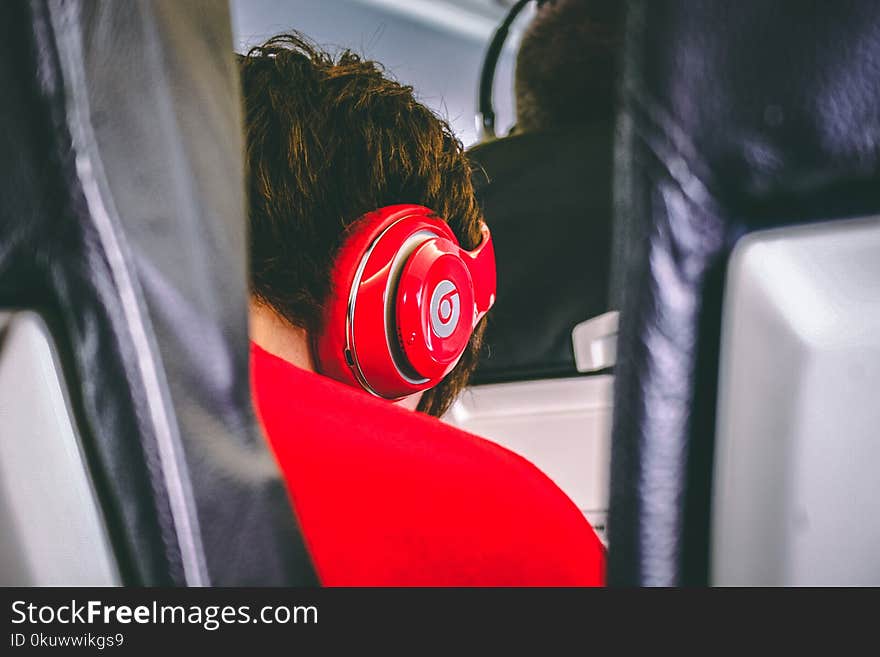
(566, 66)
(328, 140)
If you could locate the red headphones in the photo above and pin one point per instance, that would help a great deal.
(405, 300)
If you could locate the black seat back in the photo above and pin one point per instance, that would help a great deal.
(547, 197)
(122, 222)
(736, 117)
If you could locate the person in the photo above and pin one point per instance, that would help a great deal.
(384, 495)
(328, 141)
(552, 170)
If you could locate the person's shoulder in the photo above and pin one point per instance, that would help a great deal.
(466, 509)
(540, 532)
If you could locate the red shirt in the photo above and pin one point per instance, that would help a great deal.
(388, 497)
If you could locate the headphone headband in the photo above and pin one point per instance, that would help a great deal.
(485, 107)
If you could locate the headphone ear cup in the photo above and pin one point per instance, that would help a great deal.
(360, 343)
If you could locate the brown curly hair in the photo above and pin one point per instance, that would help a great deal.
(329, 139)
(566, 67)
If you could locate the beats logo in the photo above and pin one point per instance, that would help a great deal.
(444, 309)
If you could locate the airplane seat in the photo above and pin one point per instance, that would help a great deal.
(129, 451)
(538, 390)
(54, 530)
(744, 440)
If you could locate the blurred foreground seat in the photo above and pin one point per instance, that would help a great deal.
(129, 452)
(745, 435)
